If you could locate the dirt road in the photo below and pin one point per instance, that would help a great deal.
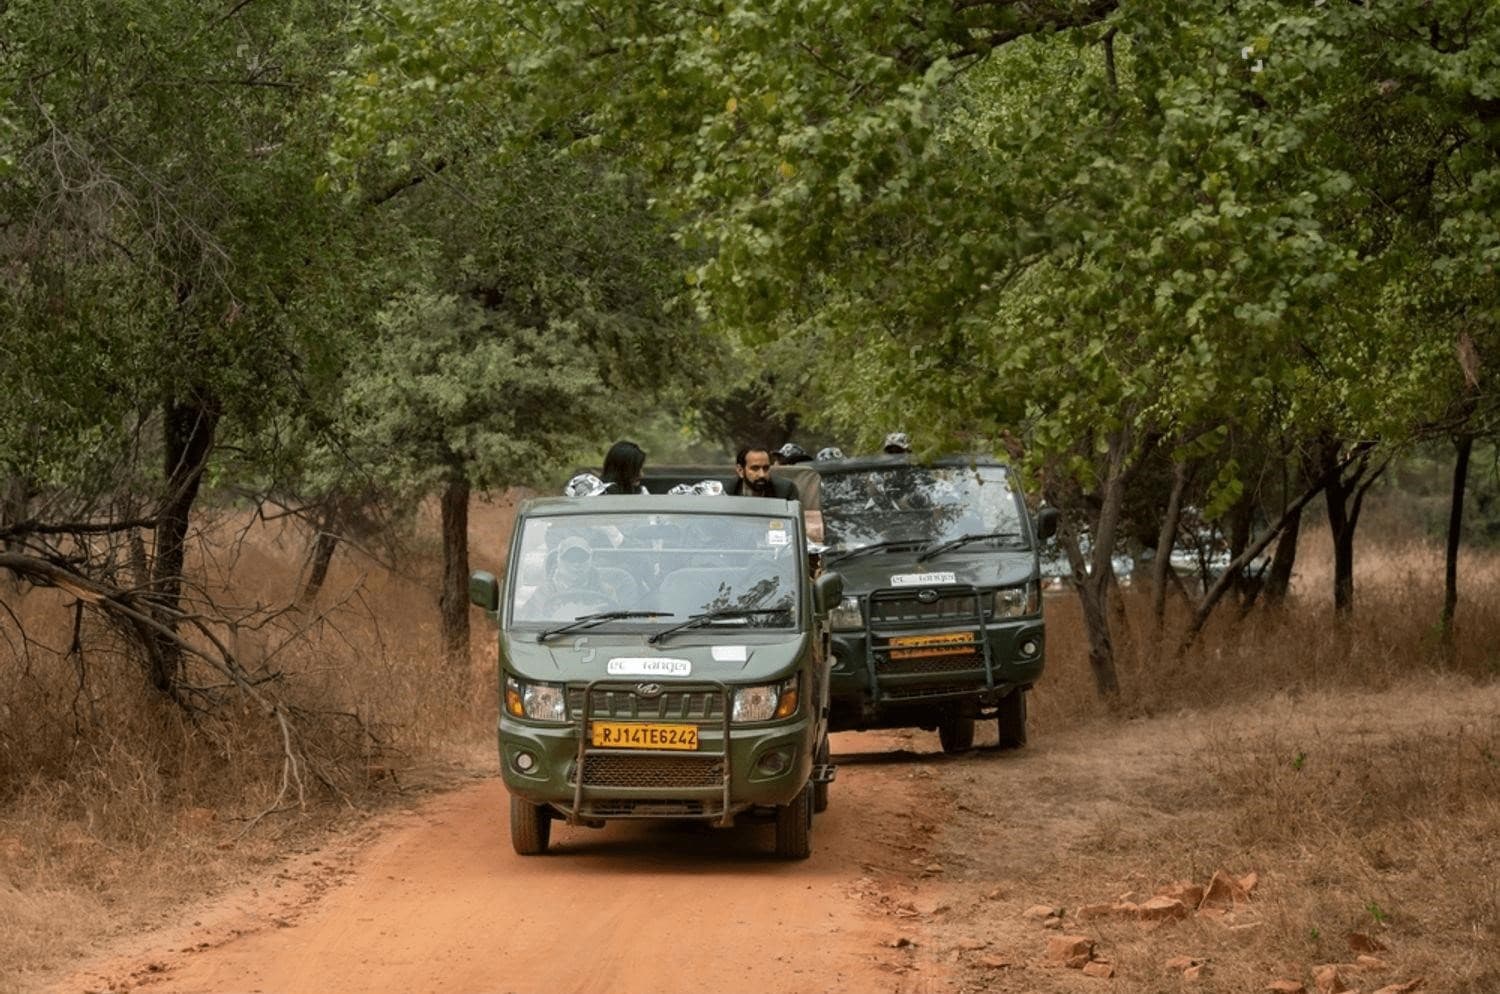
(924, 872)
(439, 902)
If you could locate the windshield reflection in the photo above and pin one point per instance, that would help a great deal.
(676, 564)
(917, 504)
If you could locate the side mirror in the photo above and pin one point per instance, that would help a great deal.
(484, 590)
(828, 591)
(1046, 523)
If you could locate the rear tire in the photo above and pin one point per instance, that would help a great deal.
(820, 790)
(1011, 723)
(530, 827)
(794, 827)
(957, 734)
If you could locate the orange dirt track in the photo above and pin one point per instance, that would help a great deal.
(439, 902)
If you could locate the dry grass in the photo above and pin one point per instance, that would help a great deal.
(1372, 812)
(1394, 632)
(115, 805)
(1355, 766)
(115, 809)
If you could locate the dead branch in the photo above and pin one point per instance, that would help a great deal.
(23, 528)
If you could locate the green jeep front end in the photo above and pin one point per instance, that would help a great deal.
(941, 619)
(661, 657)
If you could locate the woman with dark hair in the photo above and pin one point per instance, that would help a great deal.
(623, 466)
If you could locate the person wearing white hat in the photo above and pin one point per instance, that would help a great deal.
(790, 454)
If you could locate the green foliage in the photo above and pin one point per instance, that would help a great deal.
(163, 238)
(174, 227)
(985, 224)
(447, 389)
(534, 323)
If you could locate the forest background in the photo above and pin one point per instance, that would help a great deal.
(285, 291)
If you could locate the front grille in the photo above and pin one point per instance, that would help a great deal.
(624, 770)
(930, 664)
(648, 809)
(670, 705)
(887, 610)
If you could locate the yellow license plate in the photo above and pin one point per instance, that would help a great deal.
(924, 646)
(638, 735)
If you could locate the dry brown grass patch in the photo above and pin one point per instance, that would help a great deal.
(115, 804)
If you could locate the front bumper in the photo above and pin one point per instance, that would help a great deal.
(764, 764)
(871, 684)
(1008, 668)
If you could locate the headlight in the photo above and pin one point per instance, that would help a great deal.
(1014, 602)
(765, 701)
(538, 701)
(846, 617)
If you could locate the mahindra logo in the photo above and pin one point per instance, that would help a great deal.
(648, 690)
(927, 596)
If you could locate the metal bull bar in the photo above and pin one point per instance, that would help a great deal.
(878, 634)
(584, 729)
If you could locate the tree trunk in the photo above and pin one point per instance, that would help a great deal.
(1220, 586)
(1121, 635)
(140, 563)
(320, 557)
(1095, 579)
(1279, 581)
(1343, 497)
(1165, 540)
(1241, 522)
(13, 504)
(454, 603)
(188, 428)
(1093, 596)
(1464, 444)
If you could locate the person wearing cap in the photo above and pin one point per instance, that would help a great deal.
(752, 464)
(574, 578)
(790, 454)
(896, 443)
(830, 452)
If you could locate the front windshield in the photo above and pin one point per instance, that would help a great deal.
(917, 504)
(677, 565)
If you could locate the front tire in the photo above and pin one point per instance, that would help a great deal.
(794, 827)
(957, 734)
(530, 827)
(1011, 722)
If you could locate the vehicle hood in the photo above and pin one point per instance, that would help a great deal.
(989, 568)
(716, 655)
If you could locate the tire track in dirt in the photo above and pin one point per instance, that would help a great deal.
(437, 901)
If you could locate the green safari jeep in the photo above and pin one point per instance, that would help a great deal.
(941, 617)
(661, 657)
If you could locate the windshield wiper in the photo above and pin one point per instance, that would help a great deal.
(590, 620)
(954, 543)
(707, 616)
(872, 547)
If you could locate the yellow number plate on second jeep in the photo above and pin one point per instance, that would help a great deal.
(637, 735)
(923, 646)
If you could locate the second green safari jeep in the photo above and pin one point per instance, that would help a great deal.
(941, 620)
(661, 657)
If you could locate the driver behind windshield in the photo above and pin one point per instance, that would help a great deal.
(575, 577)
